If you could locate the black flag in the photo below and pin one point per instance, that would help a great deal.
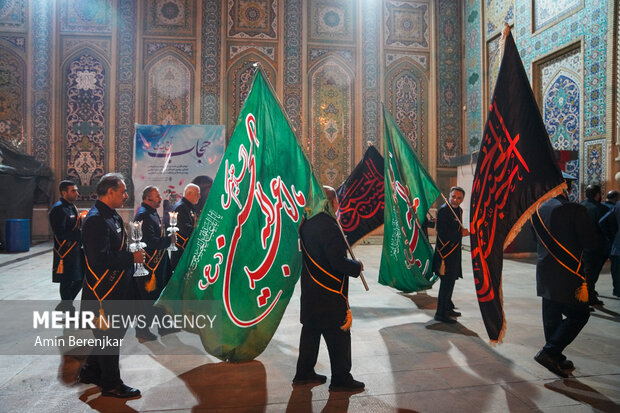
(361, 197)
(516, 172)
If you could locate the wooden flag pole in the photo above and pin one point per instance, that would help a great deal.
(455, 216)
(352, 255)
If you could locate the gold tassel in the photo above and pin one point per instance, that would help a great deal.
(102, 323)
(61, 267)
(582, 293)
(151, 284)
(348, 322)
(442, 268)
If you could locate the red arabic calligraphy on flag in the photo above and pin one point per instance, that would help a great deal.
(516, 171)
(244, 254)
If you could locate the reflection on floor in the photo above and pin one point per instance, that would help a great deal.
(408, 361)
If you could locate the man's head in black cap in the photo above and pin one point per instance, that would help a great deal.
(613, 196)
(593, 192)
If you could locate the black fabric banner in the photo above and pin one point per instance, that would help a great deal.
(361, 197)
(516, 171)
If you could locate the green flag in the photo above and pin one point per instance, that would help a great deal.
(407, 256)
(243, 259)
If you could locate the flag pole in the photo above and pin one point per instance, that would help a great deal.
(455, 216)
(352, 255)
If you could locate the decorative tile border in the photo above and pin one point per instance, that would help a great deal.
(370, 67)
(41, 87)
(449, 81)
(595, 162)
(211, 54)
(293, 70)
(126, 92)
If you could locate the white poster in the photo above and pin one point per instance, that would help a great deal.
(172, 156)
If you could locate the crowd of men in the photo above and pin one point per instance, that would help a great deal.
(90, 253)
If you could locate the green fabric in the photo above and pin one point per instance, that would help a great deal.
(407, 256)
(245, 245)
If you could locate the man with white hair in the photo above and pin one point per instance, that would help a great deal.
(186, 220)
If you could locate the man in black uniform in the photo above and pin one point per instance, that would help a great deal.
(67, 268)
(594, 259)
(324, 300)
(563, 230)
(205, 183)
(612, 197)
(186, 220)
(447, 257)
(109, 273)
(157, 262)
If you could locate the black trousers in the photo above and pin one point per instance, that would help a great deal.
(444, 297)
(69, 289)
(339, 348)
(102, 365)
(615, 274)
(562, 323)
(594, 263)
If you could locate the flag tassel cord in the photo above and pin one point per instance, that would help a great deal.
(352, 255)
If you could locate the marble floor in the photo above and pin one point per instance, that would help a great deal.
(407, 360)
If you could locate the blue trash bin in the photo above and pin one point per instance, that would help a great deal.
(17, 235)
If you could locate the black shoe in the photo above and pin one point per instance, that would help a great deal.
(566, 365)
(349, 385)
(145, 335)
(453, 313)
(445, 319)
(550, 363)
(165, 331)
(122, 391)
(84, 377)
(314, 378)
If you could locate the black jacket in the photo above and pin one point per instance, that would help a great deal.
(596, 211)
(105, 248)
(157, 240)
(186, 221)
(448, 244)
(65, 222)
(569, 224)
(325, 245)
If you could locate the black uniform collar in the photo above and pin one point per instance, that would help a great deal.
(148, 208)
(103, 208)
(65, 202)
(189, 204)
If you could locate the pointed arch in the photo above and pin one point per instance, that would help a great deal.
(85, 77)
(407, 99)
(168, 90)
(331, 128)
(13, 83)
(239, 81)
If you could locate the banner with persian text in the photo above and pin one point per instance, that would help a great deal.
(171, 156)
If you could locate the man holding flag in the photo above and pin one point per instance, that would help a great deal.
(409, 192)
(447, 257)
(263, 188)
(324, 300)
(563, 229)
